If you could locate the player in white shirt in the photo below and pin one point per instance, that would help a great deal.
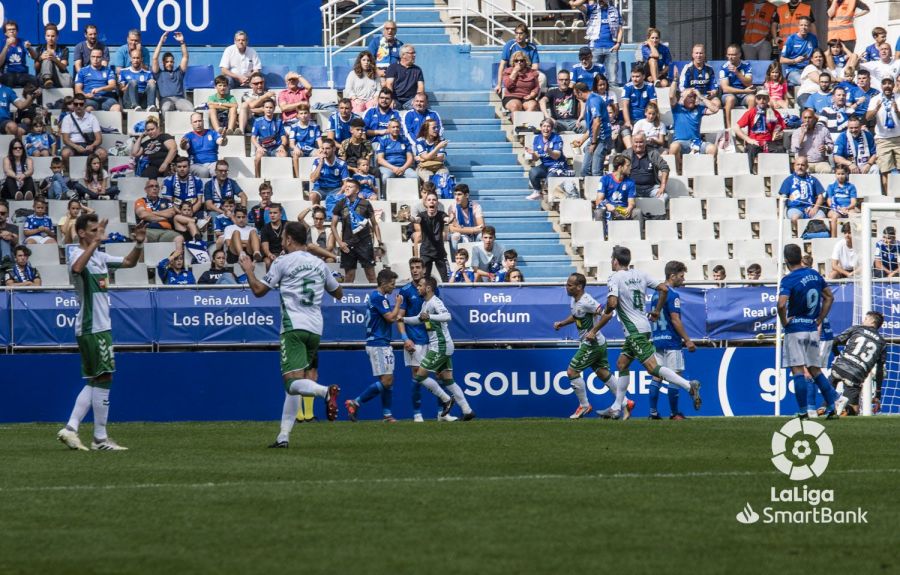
(627, 296)
(89, 269)
(301, 280)
(436, 318)
(591, 353)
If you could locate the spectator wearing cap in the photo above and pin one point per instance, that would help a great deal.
(604, 32)
(385, 47)
(765, 129)
(813, 141)
(404, 78)
(657, 57)
(586, 70)
(887, 255)
(297, 92)
(518, 44)
(239, 61)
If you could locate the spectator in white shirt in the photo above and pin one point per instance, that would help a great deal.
(239, 61)
(886, 112)
(844, 262)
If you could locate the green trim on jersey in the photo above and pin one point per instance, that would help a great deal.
(639, 346)
(626, 321)
(286, 323)
(436, 362)
(587, 356)
(299, 349)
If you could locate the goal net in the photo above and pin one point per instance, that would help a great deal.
(881, 294)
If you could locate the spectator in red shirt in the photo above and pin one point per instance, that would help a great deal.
(765, 129)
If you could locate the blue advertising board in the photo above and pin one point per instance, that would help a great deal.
(183, 386)
(212, 22)
(5, 324)
(216, 317)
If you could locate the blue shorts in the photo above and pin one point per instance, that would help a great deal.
(331, 199)
(271, 152)
(801, 213)
(101, 102)
(740, 99)
(686, 146)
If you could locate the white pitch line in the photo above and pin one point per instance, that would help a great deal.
(450, 479)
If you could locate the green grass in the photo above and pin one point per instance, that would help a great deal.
(502, 496)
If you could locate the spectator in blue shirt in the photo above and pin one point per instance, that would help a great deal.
(202, 146)
(377, 118)
(8, 100)
(339, 122)
(268, 136)
(547, 150)
(171, 270)
(855, 149)
(98, 84)
(604, 32)
(736, 81)
(519, 44)
(14, 58)
(887, 254)
(637, 94)
(870, 54)
(797, 50)
(304, 137)
(395, 157)
(585, 71)
(687, 116)
(415, 118)
(122, 56)
(385, 47)
(805, 194)
(616, 193)
(137, 85)
(657, 57)
(221, 188)
(598, 133)
(170, 79)
(699, 75)
(327, 177)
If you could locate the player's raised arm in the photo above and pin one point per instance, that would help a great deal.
(258, 288)
(139, 234)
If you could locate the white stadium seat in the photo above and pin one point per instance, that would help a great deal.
(54, 275)
(709, 187)
(574, 210)
(698, 165)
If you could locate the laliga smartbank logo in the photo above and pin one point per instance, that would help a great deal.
(801, 450)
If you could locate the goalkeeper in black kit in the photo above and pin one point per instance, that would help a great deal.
(864, 349)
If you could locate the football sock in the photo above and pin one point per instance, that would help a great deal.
(307, 387)
(100, 405)
(673, 399)
(82, 405)
(431, 385)
(811, 394)
(654, 396)
(288, 414)
(577, 384)
(458, 395)
(800, 391)
(370, 392)
(387, 399)
(672, 377)
(610, 383)
(828, 391)
(416, 394)
(621, 390)
(306, 407)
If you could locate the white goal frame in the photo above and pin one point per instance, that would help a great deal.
(866, 280)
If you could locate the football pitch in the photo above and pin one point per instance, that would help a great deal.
(491, 496)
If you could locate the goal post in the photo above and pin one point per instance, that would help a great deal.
(878, 215)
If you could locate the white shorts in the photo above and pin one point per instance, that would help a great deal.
(671, 358)
(414, 358)
(381, 359)
(801, 349)
(824, 353)
(38, 239)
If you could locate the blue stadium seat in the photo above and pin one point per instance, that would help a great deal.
(759, 68)
(274, 76)
(549, 70)
(199, 77)
(495, 67)
(318, 76)
(340, 76)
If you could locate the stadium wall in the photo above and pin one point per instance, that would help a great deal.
(246, 385)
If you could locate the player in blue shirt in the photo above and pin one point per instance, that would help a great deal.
(377, 118)
(805, 194)
(841, 197)
(202, 146)
(803, 303)
(327, 177)
(585, 71)
(415, 343)
(669, 338)
(736, 81)
(379, 319)
(519, 43)
(268, 136)
(687, 117)
(634, 100)
(598, 130)
(339, 122)
(616, 193)
(137, 85)
(98, 84)
(796, 51)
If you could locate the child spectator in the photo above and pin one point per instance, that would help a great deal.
(38, 226)
(356, 146)
(777, 86)
(38, 142)
(217, 272)
(259, 214)
(188, 228)
(242, 238)
(171, 270)
(223, 108)
(841, 197)
(66, 224)
(95, 185)
(510, 258)
(754, 272)
(653, 128)
(268, 137)
(487, 257)
(304, 137)
(57, 184)
(718, 275)
(22, 273)
(515, 276)
(367, 182)
(462, 273)
(223, 220)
